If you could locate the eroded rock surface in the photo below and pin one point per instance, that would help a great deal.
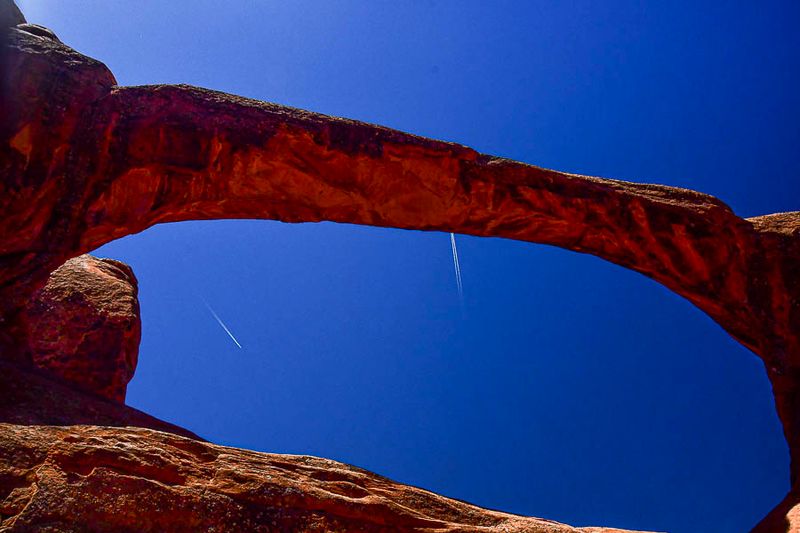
(84, 327)
(85, 162)
(135, 479)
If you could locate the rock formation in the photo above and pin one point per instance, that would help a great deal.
(84, 162)
(134, 479)
(83, 326)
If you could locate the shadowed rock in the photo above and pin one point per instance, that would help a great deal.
(10, 15)
(32, 397)
(85, 162)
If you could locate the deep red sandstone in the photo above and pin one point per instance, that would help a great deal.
(83, 326)
(135, 479)
(85, 162)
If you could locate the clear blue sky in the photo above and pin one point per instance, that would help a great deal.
(568, 388)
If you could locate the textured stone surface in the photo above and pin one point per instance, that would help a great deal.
(85, 162)
(133, 479)
(83, 326)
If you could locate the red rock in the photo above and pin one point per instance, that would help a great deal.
(85, 162)
(133, 479)
(31, 397)
(83, 326)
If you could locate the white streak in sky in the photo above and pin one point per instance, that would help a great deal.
(221, 323)
(457, 266)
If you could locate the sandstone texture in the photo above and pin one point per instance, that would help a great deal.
(133, 479)
(84, 162)
(83, 326)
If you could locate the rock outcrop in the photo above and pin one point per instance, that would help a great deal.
(85, 162)
(83, 326)
(135, 479)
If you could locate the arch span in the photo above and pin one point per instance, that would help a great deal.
(85, 162)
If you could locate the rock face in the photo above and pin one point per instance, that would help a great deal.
(85, 162)
(10, 15)
(135, 479)
(83, 326)
(31, 397)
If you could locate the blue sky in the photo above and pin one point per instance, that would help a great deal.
(566, 387)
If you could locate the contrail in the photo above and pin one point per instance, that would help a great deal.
(221, 323)
(457, 266)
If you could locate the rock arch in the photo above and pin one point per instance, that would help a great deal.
(85, 161)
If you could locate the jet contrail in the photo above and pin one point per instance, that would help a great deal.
(457, 266)
(221, 323)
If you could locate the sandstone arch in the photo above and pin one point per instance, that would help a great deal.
(85, 162)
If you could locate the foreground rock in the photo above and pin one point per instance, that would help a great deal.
(131, 479)
(84, 162)
(106, 476)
